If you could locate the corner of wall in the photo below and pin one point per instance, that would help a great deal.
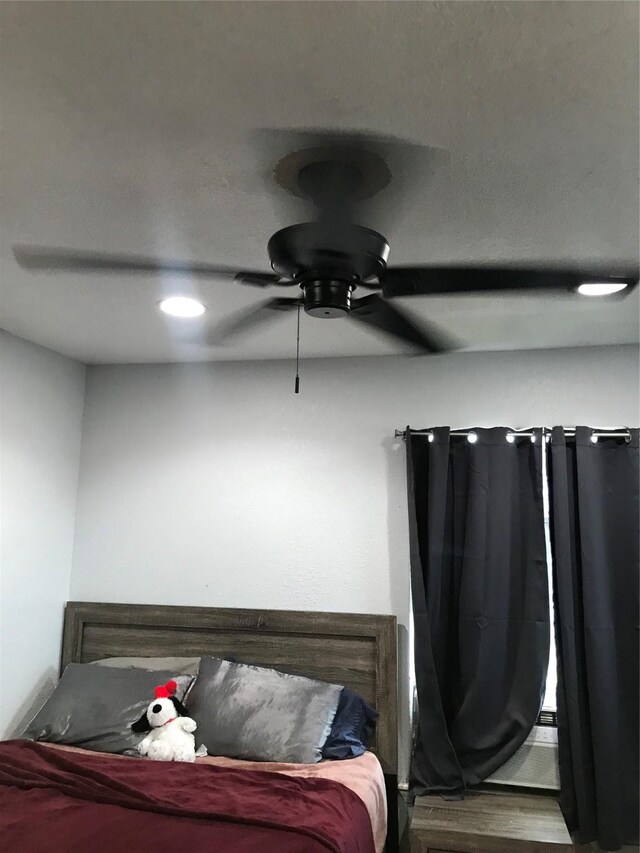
(81, 447)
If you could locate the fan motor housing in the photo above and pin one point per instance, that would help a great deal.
(327, 298)
(326, 250)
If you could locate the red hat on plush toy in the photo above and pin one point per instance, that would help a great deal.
(166, 691)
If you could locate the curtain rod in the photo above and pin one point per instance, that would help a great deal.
(401, 433)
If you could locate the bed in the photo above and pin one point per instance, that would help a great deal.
(96, 800)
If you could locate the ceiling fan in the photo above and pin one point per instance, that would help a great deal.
(328, 260)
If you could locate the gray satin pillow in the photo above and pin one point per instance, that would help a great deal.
(252, 712)
(186, 666)
(94, 707)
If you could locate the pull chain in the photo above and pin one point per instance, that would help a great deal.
(297, 387)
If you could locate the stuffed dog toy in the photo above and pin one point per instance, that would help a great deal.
(170, 728)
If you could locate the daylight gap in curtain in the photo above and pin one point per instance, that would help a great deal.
(594, 536)
(480, 601)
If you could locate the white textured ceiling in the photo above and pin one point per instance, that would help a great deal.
(130, 127)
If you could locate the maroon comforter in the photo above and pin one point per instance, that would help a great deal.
(52, 801)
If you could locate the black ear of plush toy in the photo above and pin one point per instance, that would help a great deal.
(141, 725)
(181, 711)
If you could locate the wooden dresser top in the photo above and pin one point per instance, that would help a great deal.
(489, 823)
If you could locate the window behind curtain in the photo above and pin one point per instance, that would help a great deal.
(549, 703)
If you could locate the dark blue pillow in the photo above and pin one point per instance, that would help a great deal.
(352, 729)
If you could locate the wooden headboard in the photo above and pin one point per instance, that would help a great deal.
(356, 650)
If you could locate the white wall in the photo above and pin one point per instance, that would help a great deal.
(215, 485)
(41, 397)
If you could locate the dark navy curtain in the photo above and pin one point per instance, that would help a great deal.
(594, 524)
(480, 601)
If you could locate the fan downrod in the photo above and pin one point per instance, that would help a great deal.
(331, 184)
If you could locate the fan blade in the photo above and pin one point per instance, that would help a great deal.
(35, 258)
(377, 312)
(247, 321)
(260, 279)
(424, 281)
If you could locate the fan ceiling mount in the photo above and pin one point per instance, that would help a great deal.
(329, 258)
(324, 174)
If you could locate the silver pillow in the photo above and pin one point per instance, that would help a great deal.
(186, 666)
(94, 707)
(252, 712)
